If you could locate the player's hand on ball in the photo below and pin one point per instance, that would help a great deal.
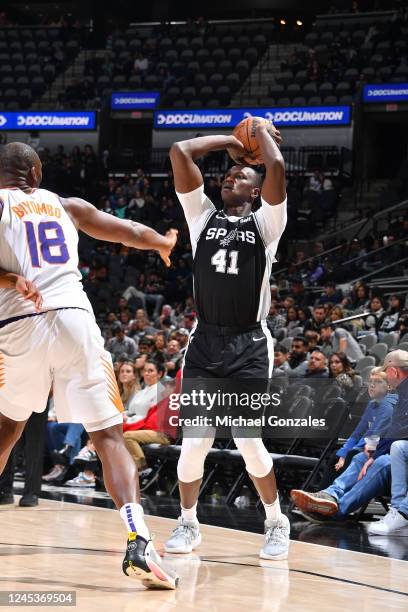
(29, 292)
(236, 150)
(274, 132)
(165, 251)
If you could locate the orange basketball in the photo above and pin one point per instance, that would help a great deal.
(245, 131)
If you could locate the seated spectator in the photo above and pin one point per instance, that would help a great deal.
(317, 365)
(331, 294)
(315, 272)
(390, 319)
(318, 318)
(336, 313)
(301, 297)
(120, 344)
(341, 370)
(298, 357)
(395, 522)
(377, 311)
(140, 64)
(128, 381)
(281, 365)
(173, 357)
(358, 299)
(166, 312)
(146, 348)
(292, 320)
(304, 315)
(340, 340)
(275, 320)
(374, 421)
(313, 340)
(140, 419)
(353, 489)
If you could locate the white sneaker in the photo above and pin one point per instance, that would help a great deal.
(393, 523)
(276, 539)
(185, 537)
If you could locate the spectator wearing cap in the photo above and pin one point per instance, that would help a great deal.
(370, 473)
(331, 294)
(298, 357)
(340, 340)
(281, 365)
(120, 344)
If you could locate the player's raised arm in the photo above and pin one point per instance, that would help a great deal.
(187, 175)
(103, 226)
(274, 185)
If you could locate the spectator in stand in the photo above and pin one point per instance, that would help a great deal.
(281, 365)
(304, 315)
(403, 326)
(189, 320)
(354, 488)
(275, 320)
(317, 365)
(120, 344)
(166, 312)
(377, 311)
(141, 64)
(298, 357)
(313, 339)
(140, 417)
(331, 294)
(340, 340)
(336, 314)
(315, 272)
(301, 297)
(318, 318)
(389, 321)
(173, 357)
(341, 370)
(292, 320)
(146, 349)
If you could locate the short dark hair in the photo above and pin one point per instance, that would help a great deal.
(281, 348)
(325, 326)
(301, 339)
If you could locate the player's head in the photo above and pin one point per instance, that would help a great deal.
(241, 185)
(20, 166)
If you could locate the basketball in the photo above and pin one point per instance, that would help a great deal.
(245, 131)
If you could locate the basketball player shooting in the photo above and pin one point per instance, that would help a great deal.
(233, 252)
(48, 334)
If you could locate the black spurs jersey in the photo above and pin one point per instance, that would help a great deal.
(233, 258)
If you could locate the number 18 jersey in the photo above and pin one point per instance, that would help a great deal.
(39, 241)
(233, 258)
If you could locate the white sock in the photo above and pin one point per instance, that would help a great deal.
(189, 514)
(272, 511)
(133, 517)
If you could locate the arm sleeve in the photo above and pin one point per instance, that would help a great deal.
(197, 210)
(271, 222)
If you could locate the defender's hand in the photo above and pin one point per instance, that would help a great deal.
(165, 251)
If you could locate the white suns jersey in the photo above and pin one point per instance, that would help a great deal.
(39, 241)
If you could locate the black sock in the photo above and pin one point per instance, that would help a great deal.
(403, 514)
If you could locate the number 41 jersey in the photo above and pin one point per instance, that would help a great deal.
(39, 241)
(233, 258)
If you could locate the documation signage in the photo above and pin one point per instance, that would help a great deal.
(133, 100)
(74, 120)
(385, 92)
(229, 117)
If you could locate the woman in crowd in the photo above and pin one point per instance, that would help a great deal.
(358, 299)
(292, 320)
(129, 383)
(389, 321)
(141, 415)
(341, 370)
(376, 313)
(303, 315)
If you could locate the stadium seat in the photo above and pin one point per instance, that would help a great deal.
(330, 100)
(260, 42)
(293, 90)
(203, 55)
(195, 103)
(135, 81)
(314, 101)
(369, 340)
(225, 67)
(135, 45)
(223, 93)
(326, 89)
(351, 75)
(187, 55)
(200, 80)
(403, 346)
(234, 54)
(251, 55)
(242, 68)
(210, 67)
(310, 88)
(197, 43)
(181, 43)
(216, 80)
(227, 42)
(364, 362)
(165, 44)
(346, 100)
(213, 103)
(276, 90)
(390, 340)
(378, 351)
(212, 43)
(299, 101)
(218, 55)
(206, 93)
(233, 80)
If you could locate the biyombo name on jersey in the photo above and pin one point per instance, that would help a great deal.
(48, 121)
(301, 116)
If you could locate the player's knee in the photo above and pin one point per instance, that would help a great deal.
(258, 461)
(190, 466)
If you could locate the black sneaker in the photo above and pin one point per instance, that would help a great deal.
(62, 456)
(143, 563)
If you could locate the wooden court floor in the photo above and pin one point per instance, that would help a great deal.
(63, 546)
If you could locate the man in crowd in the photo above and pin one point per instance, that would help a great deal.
(275, 320)
(339, 340)
(298, 357)
(281, 365)
(369, 474)
(331, 294)
(317, 365)
(317, 320)
(120, 344)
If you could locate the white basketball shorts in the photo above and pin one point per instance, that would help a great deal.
(63, 349)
